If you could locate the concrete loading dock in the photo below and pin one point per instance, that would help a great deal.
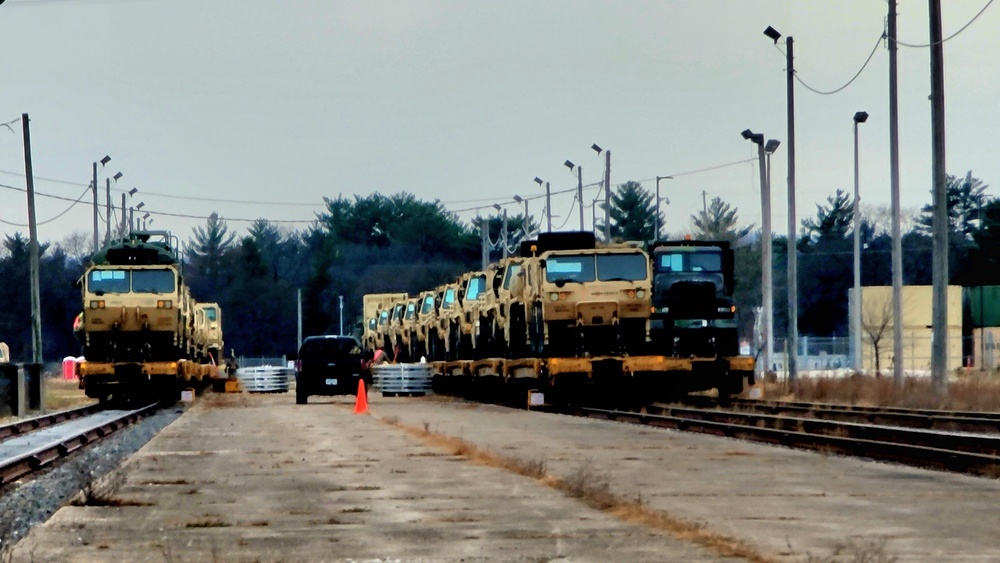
(243, 478)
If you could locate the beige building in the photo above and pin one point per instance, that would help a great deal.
(877, 327)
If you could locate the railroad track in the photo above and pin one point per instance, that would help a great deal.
(962, 452)
(931, 419)
(24, 454)
(21, 427)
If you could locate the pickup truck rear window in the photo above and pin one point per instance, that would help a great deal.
(329, 347)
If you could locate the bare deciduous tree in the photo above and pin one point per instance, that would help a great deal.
(875, 318)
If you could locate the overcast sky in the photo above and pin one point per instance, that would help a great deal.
(267, 106)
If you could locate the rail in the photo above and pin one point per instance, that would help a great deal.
(25, 426)
(958, 452)
(22, 463)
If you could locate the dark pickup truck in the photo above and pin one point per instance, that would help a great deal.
(329, 365)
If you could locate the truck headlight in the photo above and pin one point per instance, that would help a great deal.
(554, 296)
(640, 293)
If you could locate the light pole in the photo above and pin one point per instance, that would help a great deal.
(607, 192)
(503, 231)
(524, 225)
(579, 187)
(767, 304)
(859, 117)
(656, 230)
(107, 231)
(793, 275)
(548, 203)
(104, 161)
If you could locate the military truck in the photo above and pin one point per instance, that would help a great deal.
(373, 305)
(208, 332)
(494, 327)
(692, 307)
(581, 300)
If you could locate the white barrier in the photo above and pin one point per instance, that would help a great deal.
(265, 379)
(393, 379)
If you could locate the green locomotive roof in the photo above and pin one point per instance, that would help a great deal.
(138, 248)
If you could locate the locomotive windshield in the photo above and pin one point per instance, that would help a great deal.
(152, 281)
(701, 261)
(136, 281)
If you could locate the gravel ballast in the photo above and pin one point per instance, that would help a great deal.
(31, 501)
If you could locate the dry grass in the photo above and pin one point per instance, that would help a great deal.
(62, 394)
(208, 522)
(593, 488)
(971, 392)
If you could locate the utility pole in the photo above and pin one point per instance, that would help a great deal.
(96, 207)
(340, 305)
(36, 310)
(579, 192)
(505, 251)
(704, 201)
(656, 230)
(298, 300)
(484, 227)
(607, 197)
(793, 288)
(859, 117)
(548, 206)
(939, 271)
(107, 222)
(767, 286)
(123, 232)
(897, 236)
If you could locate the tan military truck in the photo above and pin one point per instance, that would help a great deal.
(372, 306)
(392, 328)
(406, 331)
(208, 332)
(472, 287)
(493, 334)
(423, 338)
(581, 300)
(448, 320)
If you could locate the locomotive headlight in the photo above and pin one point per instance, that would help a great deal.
(554, 296)
(164, 304)
(640, 293)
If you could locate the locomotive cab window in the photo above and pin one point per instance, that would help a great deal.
(153, 281)
(108, 281)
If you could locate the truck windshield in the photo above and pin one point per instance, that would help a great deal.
(449, 298)
(411, 308)
(512, 271)
(152, 281)
(703, 261)
(329, 348)
(210, 313)
(621, 267)
(108, 281)
(428, 305)
(569, 268)
(476, 286)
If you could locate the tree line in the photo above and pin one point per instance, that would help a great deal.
(398, 243)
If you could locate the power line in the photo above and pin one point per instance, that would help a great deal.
(856, 75)
(71, 206)
(950, 37)
(171, 196)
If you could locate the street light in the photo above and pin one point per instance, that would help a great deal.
(607, 192)
(133, 191)
(548, 202)
(520, 199)
(93, 185)
(656, 230)
(579, 187)
(118, 176)
(503, 232)
(859, 117)
(793, 284)
(767, 305)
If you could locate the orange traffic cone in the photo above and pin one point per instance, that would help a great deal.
(361, 405)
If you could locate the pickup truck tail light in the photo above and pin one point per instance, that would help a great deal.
(298, 365)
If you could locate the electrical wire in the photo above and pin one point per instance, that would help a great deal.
(38, 223)
(9, 123)
(569, 215)
(950, 37)
(849, 82)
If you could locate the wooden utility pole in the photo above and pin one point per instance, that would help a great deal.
(96, 209)
(897, 236)
(939, 271)
(36, 313)
(793, 275)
